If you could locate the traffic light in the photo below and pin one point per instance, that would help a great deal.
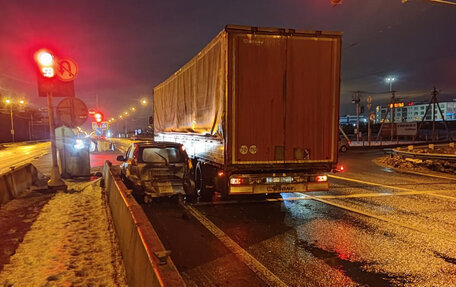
(46, 63)
(98, 117)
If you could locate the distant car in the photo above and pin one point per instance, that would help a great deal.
(157, 169)
(344, 144)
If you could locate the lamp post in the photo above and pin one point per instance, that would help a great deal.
(9, 103)
(390, 81)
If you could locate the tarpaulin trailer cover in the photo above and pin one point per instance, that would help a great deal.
(271, 95)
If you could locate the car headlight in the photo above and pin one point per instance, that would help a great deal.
(79, 144)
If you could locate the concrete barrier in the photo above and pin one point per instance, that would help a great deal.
(17, 181)
(146, 261)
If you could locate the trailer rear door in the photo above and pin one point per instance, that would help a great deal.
(286, 97)
(258, 101)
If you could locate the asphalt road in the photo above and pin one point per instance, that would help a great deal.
(375, 227)
(13, 155)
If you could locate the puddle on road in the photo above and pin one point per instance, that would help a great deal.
(353, 270)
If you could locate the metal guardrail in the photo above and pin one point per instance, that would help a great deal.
(409, 153)
(147, 262)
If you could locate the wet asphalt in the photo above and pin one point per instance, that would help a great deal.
(375, 227)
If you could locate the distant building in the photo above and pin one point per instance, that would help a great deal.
(414, 112)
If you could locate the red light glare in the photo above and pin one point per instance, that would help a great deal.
(98, 117)
(220, 173)
(341, 167)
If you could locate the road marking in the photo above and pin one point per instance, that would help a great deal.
(424, 174)
(368, 183)
(368, 214)
(407, 191)
(260, 270)
(443, 196)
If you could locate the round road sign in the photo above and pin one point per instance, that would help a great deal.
(66, 70)
(372, 117)
(71, 112)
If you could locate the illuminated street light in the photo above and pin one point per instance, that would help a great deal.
(126, 113)
(390, 80)
(133, 109)
(144, 102)
(113, 119)
(120, 117)
(21, 102)
(7, 101)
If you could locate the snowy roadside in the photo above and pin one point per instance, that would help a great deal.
(71, 243)
(417, 165)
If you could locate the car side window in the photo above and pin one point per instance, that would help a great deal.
(128, 152)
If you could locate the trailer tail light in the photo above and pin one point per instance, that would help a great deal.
(236, 181)
(321, 178)
(339, 168)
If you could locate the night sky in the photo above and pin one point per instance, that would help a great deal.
(125, 48)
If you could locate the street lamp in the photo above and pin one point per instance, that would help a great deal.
(144, 102)
(133, 109)
(390, 80)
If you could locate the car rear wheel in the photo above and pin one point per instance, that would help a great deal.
(203, 188)
(343, 148)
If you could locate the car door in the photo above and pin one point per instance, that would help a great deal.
(125, 164)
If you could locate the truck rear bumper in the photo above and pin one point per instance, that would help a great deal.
(279, 188)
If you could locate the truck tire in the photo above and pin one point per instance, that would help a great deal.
(343, 148)
(204, 192)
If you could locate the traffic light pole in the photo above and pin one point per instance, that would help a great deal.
(56, 181)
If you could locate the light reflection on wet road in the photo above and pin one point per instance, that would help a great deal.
(19, 154)
(382, 228)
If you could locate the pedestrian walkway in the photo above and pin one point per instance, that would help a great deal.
(60, 239)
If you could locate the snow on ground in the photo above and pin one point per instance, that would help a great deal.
(72, 243)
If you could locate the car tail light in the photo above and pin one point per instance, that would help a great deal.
(321, 178)
(236, 180)
(221, 173)
(190, 165)
(134, 160)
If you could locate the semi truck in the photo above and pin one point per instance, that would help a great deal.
(257, 111)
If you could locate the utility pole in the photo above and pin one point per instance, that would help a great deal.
(434, 101)
(383, 120)
(369, 105)
(356, 100)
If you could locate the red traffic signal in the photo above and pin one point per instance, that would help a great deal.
(45, 61)
(98, 117)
